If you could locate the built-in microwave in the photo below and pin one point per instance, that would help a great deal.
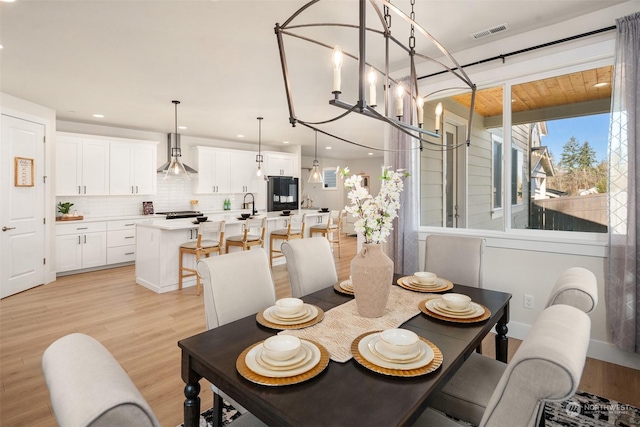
(282, 193)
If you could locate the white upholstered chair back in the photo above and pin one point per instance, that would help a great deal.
(236, 285)
(547, 367)
(455, 258)
(576, 286)
(310, 264)
(88, 387)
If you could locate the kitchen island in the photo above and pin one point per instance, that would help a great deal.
(158, 242)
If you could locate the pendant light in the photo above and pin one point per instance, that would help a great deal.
(176, 169)
(315, 177)
(259, 175)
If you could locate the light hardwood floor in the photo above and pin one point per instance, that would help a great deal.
(142, 328)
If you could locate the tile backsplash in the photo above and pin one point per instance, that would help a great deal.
(171, 195)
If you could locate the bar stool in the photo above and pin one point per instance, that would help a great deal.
(201, 246)
(246, 240)
(332, 230)
(291, 232)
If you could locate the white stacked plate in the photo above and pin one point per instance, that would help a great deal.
(371, 349)
(347, 285)
(307, 313)
(413, 281)
(306, 359)
(438, 306)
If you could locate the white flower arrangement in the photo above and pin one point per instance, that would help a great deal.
(375, 214)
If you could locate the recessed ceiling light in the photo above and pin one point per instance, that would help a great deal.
(182, 127)
(601, 84)
(98, 116)
(328, 148)
(1, 47)
(240, 135)
(8, 1)
(371, 154)
(285, 142)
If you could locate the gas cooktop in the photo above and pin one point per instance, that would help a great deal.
(181, 214)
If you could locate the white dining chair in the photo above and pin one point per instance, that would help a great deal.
(235, 285)
(310, 264)
(575, 286)
(547, 367)
(89, 388)
(455, 258)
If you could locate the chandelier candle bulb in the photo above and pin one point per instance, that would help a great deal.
(420, 105)
(400, 95)
(438, 115)
(372, 88)
(337, 63)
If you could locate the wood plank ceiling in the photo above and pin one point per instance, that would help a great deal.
(554, 91)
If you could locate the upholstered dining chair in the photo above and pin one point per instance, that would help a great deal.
(235, 286)
(294, 230)
(575, 286)
(310, 265)
(547, 367)
(455, 258)
(248, 237)
(88, 387)
(205, 244)
(331, 230)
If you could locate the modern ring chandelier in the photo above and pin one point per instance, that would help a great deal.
(369, 73)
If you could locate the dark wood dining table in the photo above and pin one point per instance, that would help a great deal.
(344, 394)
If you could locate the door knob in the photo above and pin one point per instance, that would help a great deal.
(8, 228)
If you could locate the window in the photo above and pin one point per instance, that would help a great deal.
(330, 176)
(550, 175)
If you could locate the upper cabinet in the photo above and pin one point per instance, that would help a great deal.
(132, 168)
(87, 165)
(213, 170)
(281, 164)
(82, 166)
(243, 168)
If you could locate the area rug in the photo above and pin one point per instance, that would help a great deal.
(582, 410)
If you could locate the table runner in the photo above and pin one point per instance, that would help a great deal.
(342, 324)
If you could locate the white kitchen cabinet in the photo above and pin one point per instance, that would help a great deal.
(132, 168)
(82, 166)
(213, 170)
(242, 172)
(280, 164)
(80, 245)
(121, 241)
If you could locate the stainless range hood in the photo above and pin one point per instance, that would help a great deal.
(174, 167)
(174, 153)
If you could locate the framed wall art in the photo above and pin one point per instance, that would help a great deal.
(23, 172)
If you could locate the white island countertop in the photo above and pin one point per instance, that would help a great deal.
(229, 218)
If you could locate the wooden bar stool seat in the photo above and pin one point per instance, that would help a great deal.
(201, 246)
(294, 230)
(246, 239)
(332, 230)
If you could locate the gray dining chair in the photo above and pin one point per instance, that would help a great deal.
(235, 285)
(575, 286)
(310, 264)
(455, 258)
(547, 367)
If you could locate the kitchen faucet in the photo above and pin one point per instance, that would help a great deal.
(253, 203)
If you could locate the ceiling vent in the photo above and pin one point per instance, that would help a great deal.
(490, 31)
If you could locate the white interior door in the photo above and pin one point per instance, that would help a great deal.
(22, 238)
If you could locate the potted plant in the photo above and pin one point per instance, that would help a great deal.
(64, 208)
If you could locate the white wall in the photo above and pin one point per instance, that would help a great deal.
(26, 110)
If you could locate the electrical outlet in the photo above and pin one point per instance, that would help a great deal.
(528, 301)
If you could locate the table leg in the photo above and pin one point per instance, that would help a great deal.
(217, 407)
(501, 336)
(192, 405)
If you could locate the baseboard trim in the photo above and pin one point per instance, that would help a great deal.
(600, 350)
